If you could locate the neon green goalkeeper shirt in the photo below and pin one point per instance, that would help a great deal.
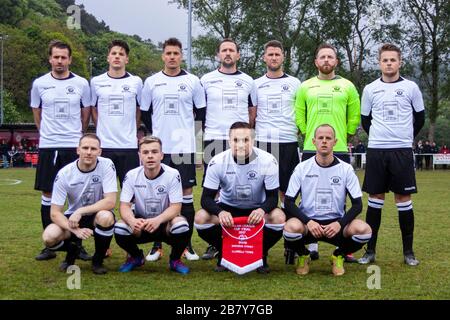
(335, 102)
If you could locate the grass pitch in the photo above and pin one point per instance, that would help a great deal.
(22, 277)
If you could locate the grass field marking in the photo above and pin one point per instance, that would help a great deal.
(9, 182)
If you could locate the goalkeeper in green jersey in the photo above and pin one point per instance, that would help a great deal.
(327, 99)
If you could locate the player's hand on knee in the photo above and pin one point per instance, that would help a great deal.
(331, 229)
(83, 233)
(74, 220)
(256, 216)
(315, 229)
(226, 219)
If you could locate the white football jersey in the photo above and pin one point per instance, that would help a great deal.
(83, 188)
(61, 101)
(323, 189)
(152, 196)
(242, 185)
(172, 100)
(392, 105)
(116, 100)
(275, 120)
(228, 97)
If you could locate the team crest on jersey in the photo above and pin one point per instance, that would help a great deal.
(238, 83)
(252, 175)
(160, 190)
(70, 90)
(182, 87)
(336, 89)
(336, 181)
(126, 88)
(399, 92)
(96, 179)
(285, 88)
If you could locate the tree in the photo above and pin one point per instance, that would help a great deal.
(12, 11)
(429, 41)
(10, 112)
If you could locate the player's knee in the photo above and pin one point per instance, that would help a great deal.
(179, 225)
(51, 236)
(294, 225)
(360, 227)
(201, 217)
(104, 218)
(277, 216)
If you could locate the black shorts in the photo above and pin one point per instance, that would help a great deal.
(390, 170)
(50, 161)
(124, 160)
(210, 149)
(340, 155)
(287, 157)
(236, 212)
(185, 164)
(159, 235)
(88, 221)
(336, 240)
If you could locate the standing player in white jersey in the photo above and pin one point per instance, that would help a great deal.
(392, 115)
(60, 102)
(324, 181)
(115, 109)
(276, 131)
(175, 99)
(89, 185)
(157, 193)
(230, 97)
(247, 179)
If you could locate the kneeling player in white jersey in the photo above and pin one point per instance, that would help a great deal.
(158, 196)
(90, 186)
(248, 181)
(324, 182)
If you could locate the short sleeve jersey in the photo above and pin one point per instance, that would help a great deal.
(242, 185)
(391, 106)
(275, 120)
(172, 100)
(335, 102)
(116, 100)
(83, 189)
(152, 196)
(61, 101)
(228, 97)
(323, 189)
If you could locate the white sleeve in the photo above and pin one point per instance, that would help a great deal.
(416, 99)
(352, 184)
(146, 96)
(35, 100)
(295, 183)
(176, 190)
(199, 95)
(212, 179)
(109, 178)
(127, 192)
(366, 102)
(59, 193)
(94, 96)
(271, 179)
(86, 94)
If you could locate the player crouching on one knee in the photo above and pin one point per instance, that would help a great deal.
(157, 193)
(323, 183)
(90, 186)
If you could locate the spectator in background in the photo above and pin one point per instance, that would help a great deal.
(359, 149)
(444, 149)
(419, 157)
(4, 153)
(428, 156)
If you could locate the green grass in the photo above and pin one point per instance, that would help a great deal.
(21, 277)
